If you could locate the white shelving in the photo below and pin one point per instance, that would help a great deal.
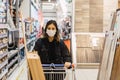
(20, 72)
(3, 63)
(12, 62)
(10, 72)
(12, 53)
(3, 35)
(34, 4)
(2, 26)
(3, 50)
(3, 54)
(29, 41)
(21, 46)
(3, 45)
(3, 73)
(13, 29)
(32, 47)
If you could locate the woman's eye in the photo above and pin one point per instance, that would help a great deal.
(53, 28)
(48, 28)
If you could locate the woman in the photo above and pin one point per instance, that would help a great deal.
(51, 48)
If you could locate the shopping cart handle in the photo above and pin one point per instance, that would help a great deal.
(52, 65)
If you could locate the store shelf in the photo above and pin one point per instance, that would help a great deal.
(32, 47)
(15, 29)
(3, 35)
(10, 20)
(3, 63)
(12, 62)
(21, 46)
(30, 40)
(3, 26)
(20, 72)
(3, 45)
(12, 53)
(9, 73)
(3, 49)
(34, 34)
(15, 67)
(22, 61)
(3, 73)
(34, 4)
(3, 54)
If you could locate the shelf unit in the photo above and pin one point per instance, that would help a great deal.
(3, 26)
(3, 74)
(3, 55)
(20, 72)
(3, 40)
(3, 35)
(3, 51)
(2, 45)
(13, 33)
(12, 54)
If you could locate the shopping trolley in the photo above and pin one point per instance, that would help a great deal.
(58, 72)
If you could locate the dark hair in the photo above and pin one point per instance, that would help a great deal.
(118, 9)
(57, 36)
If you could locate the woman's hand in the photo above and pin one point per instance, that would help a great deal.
(67, 64)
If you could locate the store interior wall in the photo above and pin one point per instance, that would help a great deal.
(88, 19)
(91, 16)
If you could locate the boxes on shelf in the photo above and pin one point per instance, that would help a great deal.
(3, 11)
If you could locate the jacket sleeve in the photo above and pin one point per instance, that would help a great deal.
(65, 52)
(37, 45)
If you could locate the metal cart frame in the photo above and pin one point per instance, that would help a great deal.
(58, 72)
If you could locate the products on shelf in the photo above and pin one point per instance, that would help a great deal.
(8, 61)
(3, 53)
(22, 53)
(66, 27)
(12, 8)
(11, 38)
(3, 11)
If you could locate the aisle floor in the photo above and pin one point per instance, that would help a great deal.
(86, 74)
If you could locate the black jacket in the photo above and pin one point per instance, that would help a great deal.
(52, 52)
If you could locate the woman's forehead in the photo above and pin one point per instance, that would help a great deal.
(51, 26)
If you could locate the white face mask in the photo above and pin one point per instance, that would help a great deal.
(51, 33)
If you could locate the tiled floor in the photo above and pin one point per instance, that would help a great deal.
(82, 74)
(86, 74)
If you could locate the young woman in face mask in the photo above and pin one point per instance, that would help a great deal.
(51, 48)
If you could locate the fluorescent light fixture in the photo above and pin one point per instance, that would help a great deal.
(63, 6)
